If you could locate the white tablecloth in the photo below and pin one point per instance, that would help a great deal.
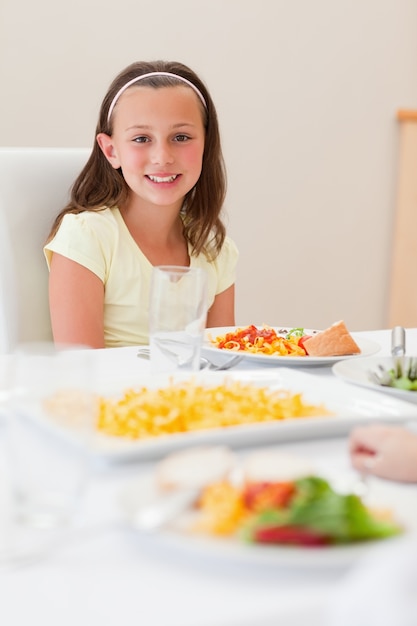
(113, 575)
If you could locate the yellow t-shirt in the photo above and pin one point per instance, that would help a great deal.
(101, 242)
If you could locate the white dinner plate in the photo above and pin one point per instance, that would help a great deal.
(349, 409)
(382, 495)
(357, 372)
(367, 347)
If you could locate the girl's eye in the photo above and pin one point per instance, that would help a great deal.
(141, 139)
(181, 138)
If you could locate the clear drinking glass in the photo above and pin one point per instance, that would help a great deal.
(50, 422)
(177, 317)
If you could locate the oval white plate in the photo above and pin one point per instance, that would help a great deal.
(356, 371)
(367, 347)
(175, 536)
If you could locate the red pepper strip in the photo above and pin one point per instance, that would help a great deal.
(298, 535)
(301, 342)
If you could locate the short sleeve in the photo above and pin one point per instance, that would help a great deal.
(86, 238)
(226, 265)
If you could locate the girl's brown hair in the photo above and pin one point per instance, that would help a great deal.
(99, 185)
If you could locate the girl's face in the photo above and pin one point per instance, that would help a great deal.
(158, 142)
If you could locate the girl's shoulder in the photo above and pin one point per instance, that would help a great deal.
(223, 260)
(229, 244)
(101, 223)
(229, 251)
(85, 235)
(105, 217)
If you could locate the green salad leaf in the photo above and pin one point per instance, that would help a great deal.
(404, 377)
(316, 506)
(403, 382)
(295, 332)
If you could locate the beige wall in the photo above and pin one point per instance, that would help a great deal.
(307, 93)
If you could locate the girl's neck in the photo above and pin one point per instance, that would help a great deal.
(152, 218)
(158, 232)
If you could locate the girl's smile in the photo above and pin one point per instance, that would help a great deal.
(163, 179)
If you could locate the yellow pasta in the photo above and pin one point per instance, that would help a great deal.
(255, 340)
(189, 406)
(224, 509)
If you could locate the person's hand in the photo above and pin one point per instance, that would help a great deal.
(386, 451)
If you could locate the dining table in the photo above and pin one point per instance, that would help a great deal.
(104, 571)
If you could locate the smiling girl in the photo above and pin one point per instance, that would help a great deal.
(151, 193)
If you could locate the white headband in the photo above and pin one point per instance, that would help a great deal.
(138, 78)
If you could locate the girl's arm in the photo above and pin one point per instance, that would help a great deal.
(222, 311)
(76, 301)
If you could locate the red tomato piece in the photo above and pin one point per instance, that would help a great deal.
(301, 342)
(262, 496)
(246, 335)
(298, 535)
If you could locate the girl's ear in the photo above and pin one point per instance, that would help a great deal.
(106, 144)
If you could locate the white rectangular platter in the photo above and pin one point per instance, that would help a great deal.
(349, 404)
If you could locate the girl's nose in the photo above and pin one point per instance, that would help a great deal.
(162, 153)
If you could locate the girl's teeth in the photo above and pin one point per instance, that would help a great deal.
(165, 179)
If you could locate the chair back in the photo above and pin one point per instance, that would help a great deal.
(34, 186)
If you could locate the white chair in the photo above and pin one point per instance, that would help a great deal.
(34, 187)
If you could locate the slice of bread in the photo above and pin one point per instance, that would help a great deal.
(334, 341)
(194, 467)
